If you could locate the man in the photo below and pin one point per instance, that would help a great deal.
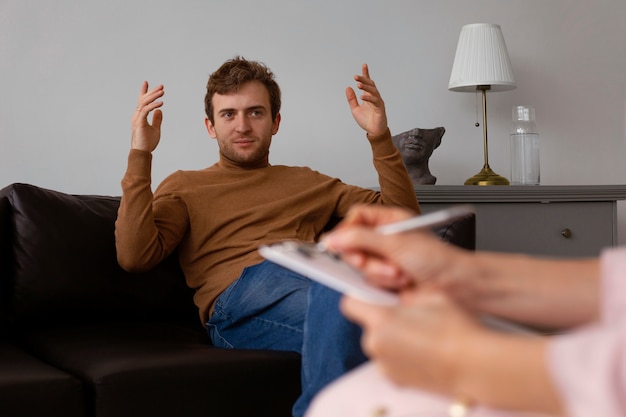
(217, 218)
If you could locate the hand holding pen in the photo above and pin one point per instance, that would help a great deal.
(384, 243)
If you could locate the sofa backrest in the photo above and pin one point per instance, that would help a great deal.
(58, 263)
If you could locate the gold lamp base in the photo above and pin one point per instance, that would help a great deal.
(487, 177)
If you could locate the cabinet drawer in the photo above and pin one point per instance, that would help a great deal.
(559, 229)
(552, 220)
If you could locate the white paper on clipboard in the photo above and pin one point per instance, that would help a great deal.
(308, 260)
(323, 267)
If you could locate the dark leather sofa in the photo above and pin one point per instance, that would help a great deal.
(79, 336)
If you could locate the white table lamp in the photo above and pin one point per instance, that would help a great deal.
(482, 64)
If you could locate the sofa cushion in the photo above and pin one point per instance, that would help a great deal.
(65, 266)
(31, 388)
(160, 369)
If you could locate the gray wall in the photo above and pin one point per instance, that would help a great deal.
(70, 72)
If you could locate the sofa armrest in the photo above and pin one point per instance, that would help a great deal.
(6, 258)
(461, 232)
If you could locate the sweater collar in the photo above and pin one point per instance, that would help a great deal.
(230, 164)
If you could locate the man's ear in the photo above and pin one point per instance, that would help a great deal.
(210, 128)
(276, 124)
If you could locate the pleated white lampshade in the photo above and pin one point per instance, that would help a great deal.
(481, 59)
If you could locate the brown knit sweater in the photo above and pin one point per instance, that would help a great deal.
(218, 216)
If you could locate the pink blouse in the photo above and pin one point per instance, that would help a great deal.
(589, 364)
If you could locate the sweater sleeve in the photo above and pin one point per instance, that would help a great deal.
(395, 184)
(589, 365)
(148, 228)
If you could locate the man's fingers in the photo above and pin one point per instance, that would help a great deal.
(157, 118)
(365, 71)
(351, 96)
(148, 97)
(142, 111)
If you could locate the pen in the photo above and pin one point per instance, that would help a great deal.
(428, 220)
(423, 221)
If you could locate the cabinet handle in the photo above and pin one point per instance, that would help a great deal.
(567, 233)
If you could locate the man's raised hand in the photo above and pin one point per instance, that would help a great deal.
(146, 135)
(370, 114)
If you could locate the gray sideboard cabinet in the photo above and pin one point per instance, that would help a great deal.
(550, 220)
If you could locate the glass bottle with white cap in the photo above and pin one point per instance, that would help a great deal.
(525, 147)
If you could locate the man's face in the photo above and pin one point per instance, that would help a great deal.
(243, 124)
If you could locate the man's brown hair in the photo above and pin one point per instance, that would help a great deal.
(233, 74)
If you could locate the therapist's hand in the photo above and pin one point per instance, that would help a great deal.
(421, 342)
(398, 262)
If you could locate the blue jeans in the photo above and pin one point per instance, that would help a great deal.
(270, 307)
